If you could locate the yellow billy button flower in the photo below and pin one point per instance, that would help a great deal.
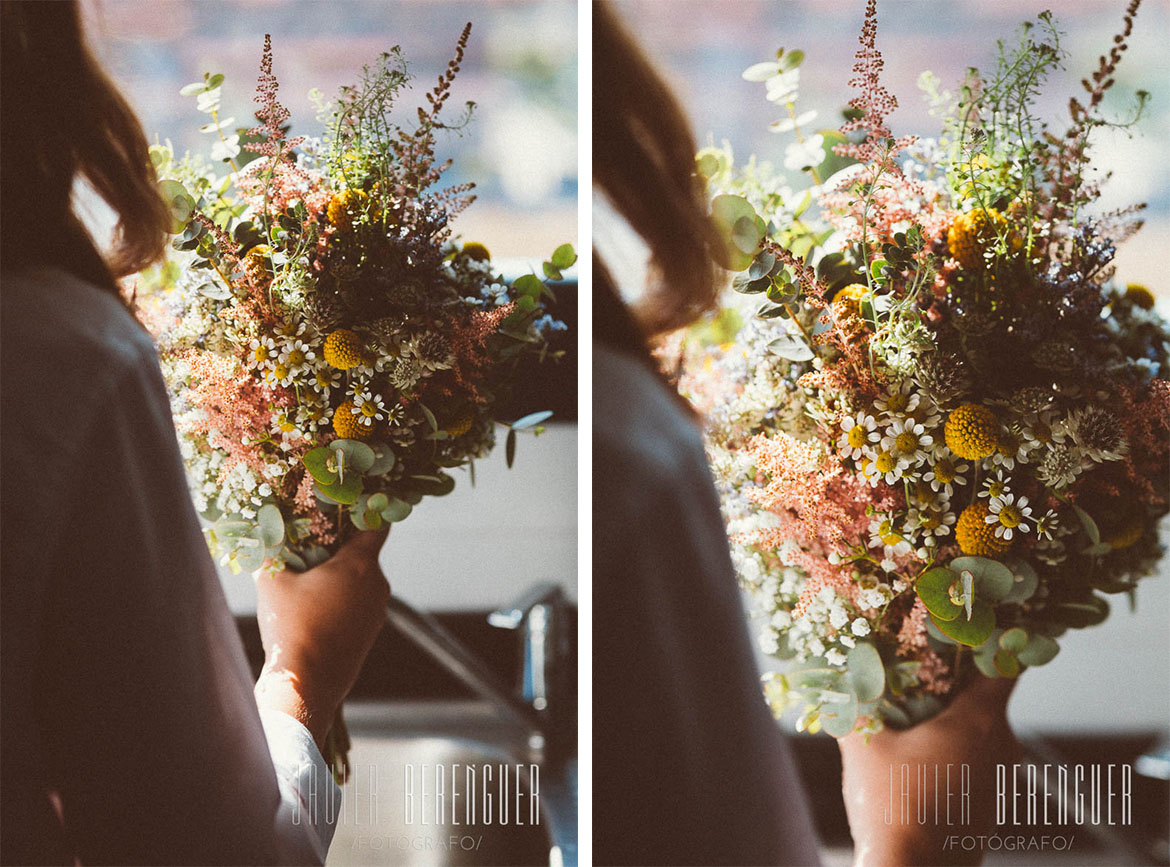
(344, 207)
(847, 301)
(460, 426)
(347, 424)
(476, 251)
(975, 536)
(258, 265)
(1140, 296)
(343, 349)
(972, 431)
(973, 234)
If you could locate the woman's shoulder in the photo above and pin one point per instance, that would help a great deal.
(55, 322)
(639, 427)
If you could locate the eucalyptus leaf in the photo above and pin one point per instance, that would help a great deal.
(377, 502)
(531, 420)
(933, 588)
(866, 671)
(993, 580)
(1025, 581)
(971, 632)
(384, 460)
(1040, 651)
(396, 510)
(1014, 640)
(359, 457)
(271, 525)
(317, 461)
(564, 257)
(1089, 525)
(345, 492)
(1006, 663)
(510, 448)
(792, 347)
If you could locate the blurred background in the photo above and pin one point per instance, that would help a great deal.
(1107, 695)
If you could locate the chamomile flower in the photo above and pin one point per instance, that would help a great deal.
(313, 415)
(883, 534)
(946, 472)
(1010, 448)
(279, 374)
(885, 464)
(297, 355)
(1042, 429)
(1047, 525)
(859, 433)
(325, 379)
(284, 424)
(908, 439)
(931, 522)
(368, 408)
(261, 351)
(996, 485)
(1009, 515)
(291, 328)
(899, 399)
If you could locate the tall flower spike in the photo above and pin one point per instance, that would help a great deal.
(273, 114)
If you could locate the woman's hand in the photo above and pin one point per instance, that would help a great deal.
(972, 731)
(317, 627)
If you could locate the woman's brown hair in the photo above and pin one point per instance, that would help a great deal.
(62, 119)
(644, 161)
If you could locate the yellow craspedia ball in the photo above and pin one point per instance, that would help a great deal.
(477, 251)
(975, 536)
(973, 234)
(258, 265)
(847, 301)
(346, 424)
(343, 349)
(972, 431)
(1140, 296)
(344, 207)
(460, 426)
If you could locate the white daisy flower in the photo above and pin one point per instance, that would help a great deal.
(314, 415)
(859, 432)
(325, 378)
(297, 354)
(932, 522)
(1010, 447)
(945, 473)
(368, 408)
(899, 399)
(279, 374)
(882, 534)
(1009, 515)
(885, 464)
(996, 485)
(261, 351)
(1047, 525)
(908, 439)
(284, 424)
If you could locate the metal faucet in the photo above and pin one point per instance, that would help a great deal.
(539, 614)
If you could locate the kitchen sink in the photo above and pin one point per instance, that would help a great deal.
(450, 783)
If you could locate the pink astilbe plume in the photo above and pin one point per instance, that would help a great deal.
(874, 102)
(272, 141)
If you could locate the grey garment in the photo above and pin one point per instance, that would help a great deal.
(124, 682)
(689, 766)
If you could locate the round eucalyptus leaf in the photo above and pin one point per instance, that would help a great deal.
(293, 562)
(359, 457)
(838, 720)
(396, 510)
(1014, 640)
(985, 662)
(993, 580)
(317, 463)
(934, 589)
(971, 632)
(1006, 663)
(1025, 581)
(271, 525)
(384, 460)
(377, 502)
(866, 671)
(1040, 650)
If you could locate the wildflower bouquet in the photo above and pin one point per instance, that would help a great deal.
(944, 438)
(331, 352)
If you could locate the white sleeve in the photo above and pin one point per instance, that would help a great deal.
(309, 798)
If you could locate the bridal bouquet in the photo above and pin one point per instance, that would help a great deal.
(330, 351)
(944, 437)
